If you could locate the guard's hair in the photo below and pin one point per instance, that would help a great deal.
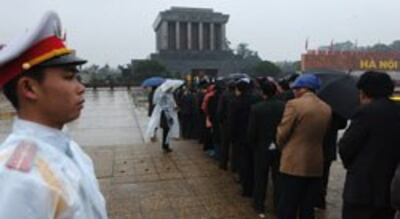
(10, 88)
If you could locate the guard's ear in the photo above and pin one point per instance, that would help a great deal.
(28, 88)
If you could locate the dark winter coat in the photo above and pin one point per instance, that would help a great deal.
(370, 150)
(330, 139)
(264, 119)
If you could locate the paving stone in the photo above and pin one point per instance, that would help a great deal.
(154, 203)
(165, 214)
(197, 212)
(181, 202)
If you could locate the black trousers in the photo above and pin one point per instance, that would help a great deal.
(323, 189)
(165, 127)
(226, 142)
(164, 143)
(297, 196)
(187, 125)
(201, 128)
(264, 161)
(246, 171)
(351, 211)
(208, 139)
(235, 156)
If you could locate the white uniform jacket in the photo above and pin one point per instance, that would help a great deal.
(46, 175)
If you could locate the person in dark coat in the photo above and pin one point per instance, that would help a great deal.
(330, 155)
(186, 109)
(235, 154)
(224, 111)
(208, 144)
(370, 150)
(239, 127)
(201, 117)
(264, 119)
(213, 116)
(196, 115)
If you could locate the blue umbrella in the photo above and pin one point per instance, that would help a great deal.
(153, 82)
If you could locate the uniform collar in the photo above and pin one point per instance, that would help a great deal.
(51, 136)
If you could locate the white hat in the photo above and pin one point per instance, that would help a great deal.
(42, 46)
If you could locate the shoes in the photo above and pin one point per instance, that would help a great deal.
(246, 194)
(167, 150)
(260, 212)
(154, 139)
(210, 152)
(223, 167)
(261, 215)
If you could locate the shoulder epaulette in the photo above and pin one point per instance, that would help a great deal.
(23, 157)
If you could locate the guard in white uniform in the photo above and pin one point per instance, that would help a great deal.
(44, 174)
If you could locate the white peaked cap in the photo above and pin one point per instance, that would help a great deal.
(42, 45)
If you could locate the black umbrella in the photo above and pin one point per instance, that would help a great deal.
(339, 90)
(235, 76)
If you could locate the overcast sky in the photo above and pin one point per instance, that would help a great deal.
(116, 31)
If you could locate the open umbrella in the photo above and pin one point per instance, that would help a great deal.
(170, 85)
(153, 82)
(287, 76)
(235, 76)
(339, 90)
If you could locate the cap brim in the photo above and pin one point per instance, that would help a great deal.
(69, 59)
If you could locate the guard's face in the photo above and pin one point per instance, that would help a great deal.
(60, 94)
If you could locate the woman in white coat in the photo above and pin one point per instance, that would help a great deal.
(164, 114)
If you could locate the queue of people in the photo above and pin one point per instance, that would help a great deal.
(237, 122)
(257, 129)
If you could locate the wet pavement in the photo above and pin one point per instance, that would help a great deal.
(146, 183)
(139, 181)
(107, 120)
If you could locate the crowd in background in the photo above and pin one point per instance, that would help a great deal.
(258, 128)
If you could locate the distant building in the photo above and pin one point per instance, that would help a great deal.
(193, 41)
(190, 29)
(354, 62)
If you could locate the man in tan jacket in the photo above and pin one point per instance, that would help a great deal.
(300, 136)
